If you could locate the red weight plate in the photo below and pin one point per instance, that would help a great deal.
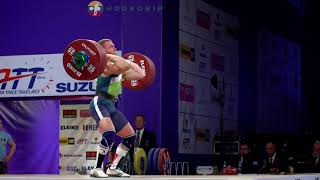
(163, 161)
(103, 56)
(152, 74)
(147, 65)
(87, 51)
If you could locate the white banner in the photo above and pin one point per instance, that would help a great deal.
(211, 50)
(187, 16)
(79, 138)
(197, 96)
(39, 75)
(203, 19)
(196, 133)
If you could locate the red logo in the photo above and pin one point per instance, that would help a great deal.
(203, 19)
(69, 113)
(84, 113)
(91, 155)
(186, 92)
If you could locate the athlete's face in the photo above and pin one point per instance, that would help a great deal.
(109, 47)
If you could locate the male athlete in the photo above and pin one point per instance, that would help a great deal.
(102, 108)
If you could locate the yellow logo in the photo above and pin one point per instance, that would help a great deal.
(65, 141)
(187, 52)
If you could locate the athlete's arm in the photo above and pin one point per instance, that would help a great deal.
(118, 62)
(134, 73)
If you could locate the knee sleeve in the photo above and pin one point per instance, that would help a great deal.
(108, 139)
(128, 142)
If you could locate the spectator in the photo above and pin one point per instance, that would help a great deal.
(144, 138)
(316, 157)
(244, 162)
(5, 139)
(273, 163)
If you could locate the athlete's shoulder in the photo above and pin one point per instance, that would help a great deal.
(5, 134)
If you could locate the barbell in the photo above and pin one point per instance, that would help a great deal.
(85, 59)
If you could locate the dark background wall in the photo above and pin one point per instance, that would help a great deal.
(310, 67)
(278, 17)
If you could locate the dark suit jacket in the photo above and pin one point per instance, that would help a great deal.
(280, 163)
(148, 141)
(247, 165)
(315, 167)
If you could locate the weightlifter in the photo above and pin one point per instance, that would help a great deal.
(102, 108)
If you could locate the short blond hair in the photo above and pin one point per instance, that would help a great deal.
(103, 41)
